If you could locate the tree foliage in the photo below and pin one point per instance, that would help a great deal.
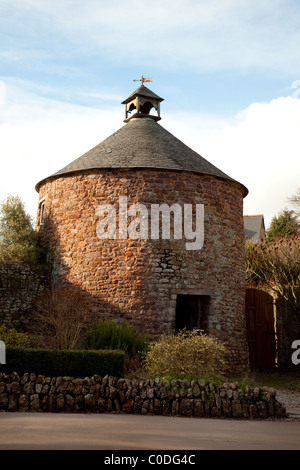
(275, 266)
(18, 239)
(12, 337)
(283, 225)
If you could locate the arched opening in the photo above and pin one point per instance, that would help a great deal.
(131, 108)
(146, 107)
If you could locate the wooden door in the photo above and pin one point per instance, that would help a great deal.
(260, 329)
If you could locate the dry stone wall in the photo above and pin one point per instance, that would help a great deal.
(110, 394)
(20, 284)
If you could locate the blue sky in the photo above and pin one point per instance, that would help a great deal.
(228, 70)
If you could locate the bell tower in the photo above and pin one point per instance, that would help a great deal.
(142, 103)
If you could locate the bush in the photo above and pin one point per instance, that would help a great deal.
(109, 335)
(186, 354)
(54, 363)
(12, 337)
(18, 239)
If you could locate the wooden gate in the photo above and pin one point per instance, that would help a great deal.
(260, 329)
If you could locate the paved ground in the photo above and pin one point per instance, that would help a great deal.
(291, 401)
(109, 432)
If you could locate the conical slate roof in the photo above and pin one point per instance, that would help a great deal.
(142, 143)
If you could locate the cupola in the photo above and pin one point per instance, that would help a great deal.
(142, 103)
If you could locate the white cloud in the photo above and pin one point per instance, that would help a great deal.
(259, 147)
(207, 34)
(39, 136)
(295, 86)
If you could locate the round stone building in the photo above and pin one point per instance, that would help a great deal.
(150, 232)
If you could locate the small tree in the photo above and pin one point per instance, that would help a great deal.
(18, 239)
(285, 225)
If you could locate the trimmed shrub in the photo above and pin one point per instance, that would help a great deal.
(55, 363)
(186, 354)
(110, 335)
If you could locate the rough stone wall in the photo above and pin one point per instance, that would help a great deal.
(20, 284)
(109, 394)
(139, 280)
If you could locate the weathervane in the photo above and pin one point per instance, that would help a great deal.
(143, 80)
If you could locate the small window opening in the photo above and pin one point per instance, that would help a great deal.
(42, 211)
(192, 312)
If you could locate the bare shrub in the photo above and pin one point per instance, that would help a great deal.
(60, 317)
(275, 267)
(186, 354)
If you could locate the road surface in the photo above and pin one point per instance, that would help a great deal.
(51, 431)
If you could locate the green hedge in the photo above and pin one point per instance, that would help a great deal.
(54, 363)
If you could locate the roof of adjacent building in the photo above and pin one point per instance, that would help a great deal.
(254, 227)
(143, 143)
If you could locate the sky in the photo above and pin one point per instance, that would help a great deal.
(228, 70)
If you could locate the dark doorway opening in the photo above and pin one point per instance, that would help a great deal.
(192, 312)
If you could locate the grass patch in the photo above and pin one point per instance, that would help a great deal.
(282, 380)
